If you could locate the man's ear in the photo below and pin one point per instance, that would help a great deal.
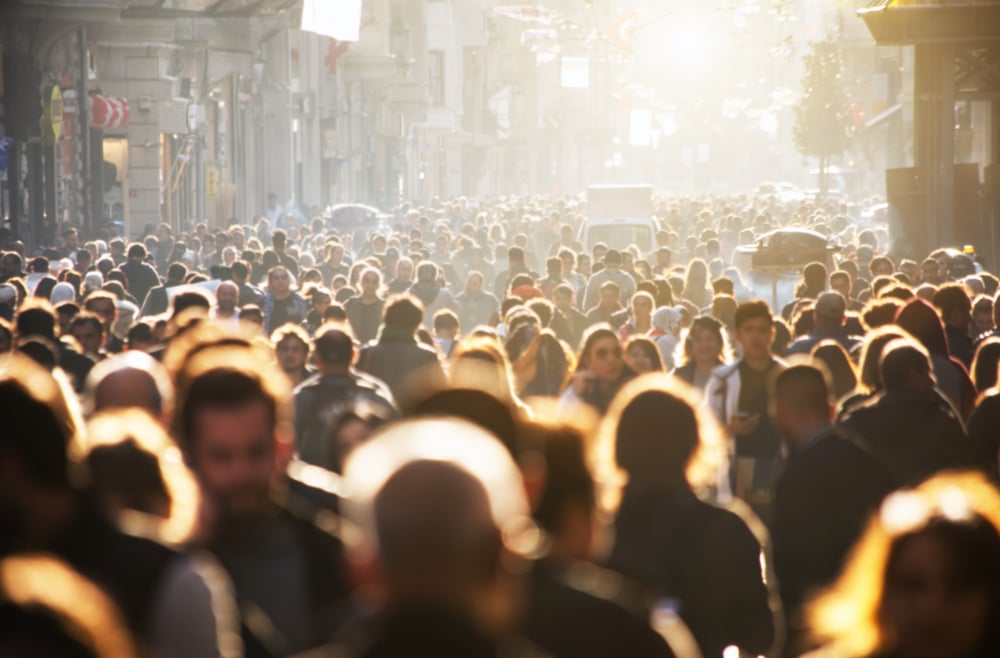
(284, 445)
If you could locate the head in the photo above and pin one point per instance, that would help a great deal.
(705, 343)
(843, 374)
(103, 305)
(291, 346)
(955, 307)
(601, 354)
(131, 379)
(88, 331)
(371, 281)
(610, 294)
(642, 306)
(641, 355)
(753, 328)
(279, 281)
(905, 368)
(802, 402)
(137, 251)
(936, 550)
(403, 313)
(830, 309)
(334, 347)
(227, 297)
(404, 269)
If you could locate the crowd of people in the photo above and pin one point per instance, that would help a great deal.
(459, 432)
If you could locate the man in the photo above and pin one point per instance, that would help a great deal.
(436, 521)
(476, 306)
(608, 305)
(515, 266)
(364, 311)
(141, 277)
(829, 487)
(569, 273)
(279, 241)
(738, 394)
(321, 401)
(983, 312)
(291, 347)
(909, 426)
(165, 236)
(11, 266)
(274, 211)
(576, 322)
(829, 315)
(612, 272)
(131, 379)
(477, 263)
(236, 434)
(37, 318)
(553, 276)
(240, 275)
(88, 331)
(566, 241)
(227, 297)
(398, 359)
(282, 305)
(955, 308)
(158, 300)
(117, 252)
(841, 282)
(403, 279)
(38, 269)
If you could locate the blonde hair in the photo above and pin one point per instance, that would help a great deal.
(849, 613)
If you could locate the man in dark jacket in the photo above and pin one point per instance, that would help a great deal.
(157, 300)
(141, 276)
(321, 401)
(956, 310)
(398, 358)
(910, 427)
(288, 575)
(829, 487)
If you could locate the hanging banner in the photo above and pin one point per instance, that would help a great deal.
(108, 112)
(54, 114)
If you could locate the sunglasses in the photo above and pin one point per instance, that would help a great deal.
(605, 352)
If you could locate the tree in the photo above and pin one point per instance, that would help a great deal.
(824, 124)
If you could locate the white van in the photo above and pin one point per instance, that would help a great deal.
(619, 216)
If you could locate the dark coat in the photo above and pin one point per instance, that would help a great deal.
(141, 278)
(396, 357)
(829, 487)
(915, 437)
(157, 300)
(704, 557)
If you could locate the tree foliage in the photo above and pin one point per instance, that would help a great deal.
(824, 125)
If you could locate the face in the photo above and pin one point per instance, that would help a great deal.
(842, 285)
(929, 272)
(609, 298)
(280, 282)
(370, 283)
(756, 336)
(404, 270)
(932, 614)
(89, 337)
(637, 358)
(292, 354)
(336, 254)
(641, 307)
(234, 458)
(474, 284)
(227, 297)
(983, 322)
(605, 359)
(562, 300)
(705, 346)
(9, 266)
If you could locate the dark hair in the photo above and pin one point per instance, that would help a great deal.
(804, 387)
(137, 250)
(84, 318)
(176, 272)
(984, 364)
(649, 347)
(844, 377)
(33, 433)
(404, 312)
(219, 388)
(190, 299)
(752, 310)
(897, 362)
(655, 438)
(334, 345)
(568, 480)
(38, 319)
(950, 298)
(445, 319)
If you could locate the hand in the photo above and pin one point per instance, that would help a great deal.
(743, 424)
(581, 380)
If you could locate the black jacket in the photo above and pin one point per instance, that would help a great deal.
(157, 300)
(397, 357)
(915, 437)
(702, 556)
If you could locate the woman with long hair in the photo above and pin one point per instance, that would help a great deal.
(924, 580)
(704, 348)
(696, 285)
(842, 371)
(600, 370)
(659, 446)
(642, 355)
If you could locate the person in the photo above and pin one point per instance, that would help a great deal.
(738, 394)
(166, 604)
(339, 389)
(397, 358)
(660, 447)
(140, 275)
(612, 273)
(476, 306)
(292, 348)
(828, 487)
(515, 266)
(281, 304)
(437, 504)
(641, 321)
(641, 355)
(364, 311)
(955, 307)
(909, 427)
(402, 280)
(240, 274)
(130, 380)
(923, 581)
(705, 347)
(432, 294)
(88, 331)
(576, 322)
(697, 290)
(843, 374)
(37, 318)
(277, 254)
(829, 314)
(607, 308)
(610, 617)
(665, 333)
(235, 428)
(227, 298)
(157, 299)
(446, 332)
(600, 371)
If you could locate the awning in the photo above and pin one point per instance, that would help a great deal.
(108, 112)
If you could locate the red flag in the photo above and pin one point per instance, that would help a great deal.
(622, 33)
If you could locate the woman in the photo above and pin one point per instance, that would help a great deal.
(924, 580)
(869, 377)
(662, 444)
(600, 371)
(832, 355)
(641, 322)
(642, 355)
(705, 347)
(666, 332)
(696, 288)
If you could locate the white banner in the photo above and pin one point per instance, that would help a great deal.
(337, 19)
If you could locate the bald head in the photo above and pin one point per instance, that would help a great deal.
(227, 296)
(830, 308)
